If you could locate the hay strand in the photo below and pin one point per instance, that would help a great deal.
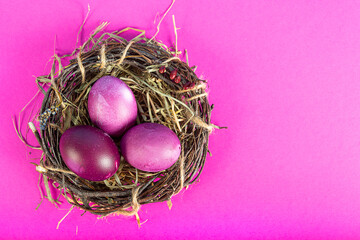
(162, 18)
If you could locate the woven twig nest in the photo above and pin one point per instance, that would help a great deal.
(182, 106)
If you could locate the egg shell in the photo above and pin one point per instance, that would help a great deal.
(112, 105)
(89, 152)
(150, 147)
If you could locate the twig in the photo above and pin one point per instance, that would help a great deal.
(81, 67)
(36, 133)
(124, 53)
(102, 56)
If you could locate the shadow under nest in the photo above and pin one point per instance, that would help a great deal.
(183, 107)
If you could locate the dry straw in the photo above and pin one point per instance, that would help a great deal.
(183, 107)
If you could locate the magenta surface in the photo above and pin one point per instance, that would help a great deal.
(284, 77)
(89, 152)
(112, 105)
(150, 147)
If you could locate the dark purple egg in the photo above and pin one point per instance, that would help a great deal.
(89, 152)
(112, 105)
(150, 147)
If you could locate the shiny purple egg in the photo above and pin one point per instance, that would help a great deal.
(112, 105)
(150, 147)
(89, 152)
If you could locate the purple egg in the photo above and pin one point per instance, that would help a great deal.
(150, 147)
(112, 105)
(89, 152)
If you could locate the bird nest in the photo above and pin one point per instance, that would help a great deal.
(146, 66)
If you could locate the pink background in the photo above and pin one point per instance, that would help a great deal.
(284, 77)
